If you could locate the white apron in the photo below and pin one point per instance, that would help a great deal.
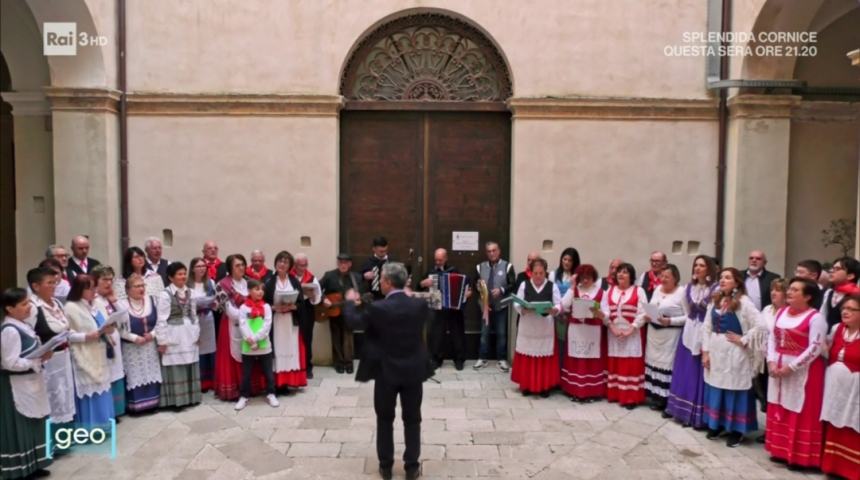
(535, 335)
(285, 335)
(583, 341)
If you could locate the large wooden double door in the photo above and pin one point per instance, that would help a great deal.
(416, 177)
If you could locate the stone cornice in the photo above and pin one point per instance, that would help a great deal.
(762, 106)
(823, 111)
(613, 108)
(27, 103)
(175, 104)
(75, 99)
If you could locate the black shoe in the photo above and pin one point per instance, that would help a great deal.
(40, 473)
(526, 393)
(349, 370)
(458, 365)
(338, 369)
(544, 394)
(759, 439)
(385, 473)
(310, 374)
(735, 439)
(665, 414)
(712, 434)
(414, 473)
(631, 406)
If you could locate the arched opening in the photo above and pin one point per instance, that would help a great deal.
(425, 143)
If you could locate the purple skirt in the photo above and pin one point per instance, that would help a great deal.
(687, 391)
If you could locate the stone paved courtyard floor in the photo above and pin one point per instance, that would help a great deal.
(475, 425)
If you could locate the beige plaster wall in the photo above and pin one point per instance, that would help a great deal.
(246, 182)
(822, 185)
(86, 173)
(593, 47)
(34, 216)
(613, 188)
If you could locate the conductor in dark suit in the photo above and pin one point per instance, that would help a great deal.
(80, 262)
(395, 357)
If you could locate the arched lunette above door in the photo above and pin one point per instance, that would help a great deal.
(426, 57)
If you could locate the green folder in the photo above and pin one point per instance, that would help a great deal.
(255, 324)
(541, 308)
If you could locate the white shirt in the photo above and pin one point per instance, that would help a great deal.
(753, 290)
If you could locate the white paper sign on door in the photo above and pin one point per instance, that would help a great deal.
(464, 241)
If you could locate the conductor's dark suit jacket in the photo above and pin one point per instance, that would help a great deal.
(394, 348)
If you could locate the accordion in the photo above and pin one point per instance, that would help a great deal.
(452, 289)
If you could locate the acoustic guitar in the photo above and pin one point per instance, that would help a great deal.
(323, 313)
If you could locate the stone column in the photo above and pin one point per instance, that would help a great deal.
(757, 178)
(34, 178)
(86, 168)
(854, 55)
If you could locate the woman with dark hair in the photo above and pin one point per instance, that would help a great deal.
(623, 308)
(139, 351)
(177, 333)
(796, 370)
(841, 409)
(663, 335)
(562, 277)
(535, 366)
(289, 349)
(203, 292)
(728, 361)
(583, 373)
(93, 397)
(232, 291)
(22, 391)
(134, 261)
(106, 303)
(686, 400)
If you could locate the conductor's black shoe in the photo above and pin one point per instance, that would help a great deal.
(349, 369)
(385, 473)
(459, 365)
(413, 473)
(338, 369)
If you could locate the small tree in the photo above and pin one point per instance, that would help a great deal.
(841, 234)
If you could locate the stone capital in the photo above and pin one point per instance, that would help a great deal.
(30, 103)
(762, 106)
(77, 99)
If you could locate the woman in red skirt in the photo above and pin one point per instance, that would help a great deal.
(289, 365)
(623, 308)
(796, 384)
(232, 291)
(583, 374)
(535, 366)
(841, 409)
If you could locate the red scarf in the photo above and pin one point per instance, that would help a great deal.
(257, 275)
(528, 271)
(212, 267)
(257, 307)
(308, 277)
(847, 288)
(653, 281)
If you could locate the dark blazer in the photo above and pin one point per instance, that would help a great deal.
(73, 270)
(330, 282)
(394, 347)
(764, 281)
(161, 269)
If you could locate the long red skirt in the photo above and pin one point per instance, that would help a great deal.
(585, 377)
(841, 452)
(626, 380)
(535, 374)
(796, 437)
(228, 372)
(294, 378)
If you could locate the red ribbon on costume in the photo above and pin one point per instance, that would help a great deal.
(257, 275)
(257, 307)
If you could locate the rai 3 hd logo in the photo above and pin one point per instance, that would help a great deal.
(63, 39)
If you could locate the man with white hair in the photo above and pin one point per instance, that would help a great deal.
(257, 269)
(80, 262)
(154, 261)
(757, 279)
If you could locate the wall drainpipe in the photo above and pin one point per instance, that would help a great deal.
(123, 127)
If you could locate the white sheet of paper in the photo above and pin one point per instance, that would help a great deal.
(581, 308)
(286, 298)
(115, 318)
(51, 344)
(653, 311)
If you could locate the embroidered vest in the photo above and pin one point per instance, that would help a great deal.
(628, 308)
(544, 295)
(792, 341)
(179, 310)
(28, 344)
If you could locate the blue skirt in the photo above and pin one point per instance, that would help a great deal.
(94, 410)
(686, 392)
(144, 397)
(118, 393)
(733, 410)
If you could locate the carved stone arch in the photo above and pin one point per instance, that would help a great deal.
(426, 57)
